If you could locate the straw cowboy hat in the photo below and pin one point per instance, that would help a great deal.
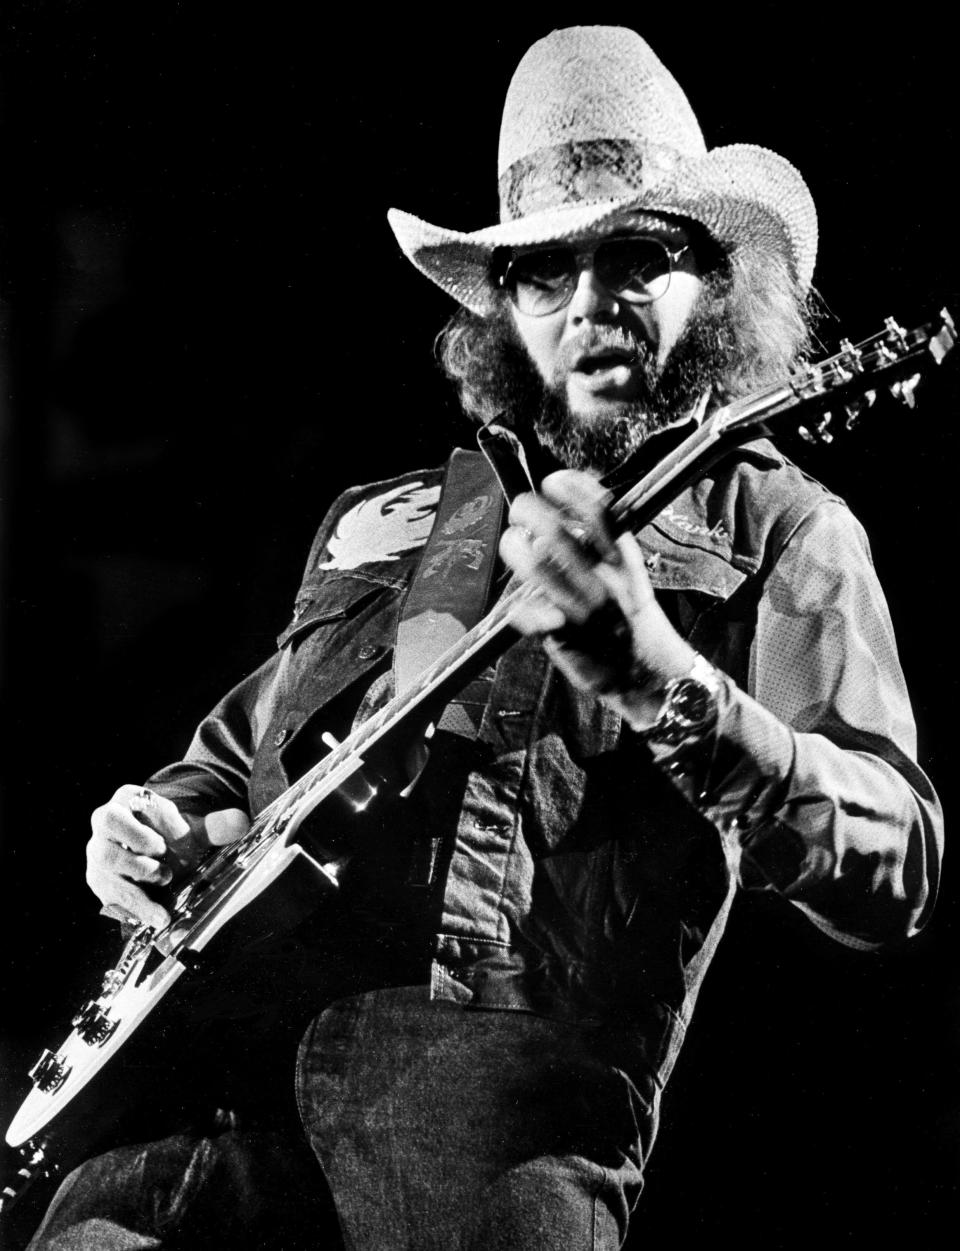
(594, 124)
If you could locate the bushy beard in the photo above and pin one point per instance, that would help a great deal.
(667, 393)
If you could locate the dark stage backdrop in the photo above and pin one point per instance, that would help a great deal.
(209, 331)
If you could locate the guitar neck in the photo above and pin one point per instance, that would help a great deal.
(721, 433)
(492, 636)
(891, 358)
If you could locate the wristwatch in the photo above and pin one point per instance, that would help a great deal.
(690, 707)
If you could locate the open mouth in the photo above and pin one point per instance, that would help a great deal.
(596, 362)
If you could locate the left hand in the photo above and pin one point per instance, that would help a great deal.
(590, 597)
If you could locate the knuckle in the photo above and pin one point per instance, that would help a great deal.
(149, 869)
(509, 540)
(520, 506)
(98, 817)
(142, 869)
(559, 479)
(154, 844)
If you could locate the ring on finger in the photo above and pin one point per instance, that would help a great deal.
(142, 801)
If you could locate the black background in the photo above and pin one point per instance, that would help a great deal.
(209, 330)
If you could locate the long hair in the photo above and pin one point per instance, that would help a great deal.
(764, 327)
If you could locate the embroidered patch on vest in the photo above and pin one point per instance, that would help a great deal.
(718, 532)
(383, 528)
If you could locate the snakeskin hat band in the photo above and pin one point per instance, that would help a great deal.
(595, 125)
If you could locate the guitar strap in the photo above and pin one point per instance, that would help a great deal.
(451, 587)
(448, 595)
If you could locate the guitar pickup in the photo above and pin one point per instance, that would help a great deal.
(50, 1072)
(93, 1024)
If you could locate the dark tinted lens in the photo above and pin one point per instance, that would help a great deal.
(540, 281)
(637, 269)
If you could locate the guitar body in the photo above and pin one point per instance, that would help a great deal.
(217, 914)
(219, 1020)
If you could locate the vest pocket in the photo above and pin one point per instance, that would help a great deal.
(328, 600)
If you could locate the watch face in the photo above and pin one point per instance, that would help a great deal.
(689, 708)
(691, 702)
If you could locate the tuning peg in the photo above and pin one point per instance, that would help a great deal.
(819, 433)
(851, 357)
(859, 404)
(904, 390)
(945, 338)
(848, 362)
(896, 333)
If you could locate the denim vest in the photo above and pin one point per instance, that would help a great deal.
(579, 882)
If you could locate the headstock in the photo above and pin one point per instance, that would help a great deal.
(847, 383)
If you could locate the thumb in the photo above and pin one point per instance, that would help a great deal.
(225, 826)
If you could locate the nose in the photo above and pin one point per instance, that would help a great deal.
(591, 300)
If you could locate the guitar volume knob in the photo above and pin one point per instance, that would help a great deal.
(113, 981)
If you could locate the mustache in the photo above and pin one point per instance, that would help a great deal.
(595, 339)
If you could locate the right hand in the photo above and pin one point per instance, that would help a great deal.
(140, 839)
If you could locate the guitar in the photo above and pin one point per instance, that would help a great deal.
(239, 886)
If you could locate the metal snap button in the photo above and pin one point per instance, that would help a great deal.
(280, 737)
(367, 651)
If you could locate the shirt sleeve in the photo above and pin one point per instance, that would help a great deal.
(216, 769)
(811, 774)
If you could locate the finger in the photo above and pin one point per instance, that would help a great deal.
(538, 515)
(116, 892)
(551, 543)
(544, 566)
(572, 583)
(139, 905)
(112, 859)
(225, 826)
(145, 869)
(585, 505)
(630, 583)
(154, 810)
(543, 520)
(116, 913)
(634, 560)
(114, 824)
(536, 615)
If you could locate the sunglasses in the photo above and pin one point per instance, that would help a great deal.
(636, 268)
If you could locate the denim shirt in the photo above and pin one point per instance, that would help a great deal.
(585, 875)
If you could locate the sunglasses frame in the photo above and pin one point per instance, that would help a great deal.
(581, 256)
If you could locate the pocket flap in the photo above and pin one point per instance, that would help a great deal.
(329, 599)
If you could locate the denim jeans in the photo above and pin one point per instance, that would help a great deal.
(438, 1128)
(255, 1191)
